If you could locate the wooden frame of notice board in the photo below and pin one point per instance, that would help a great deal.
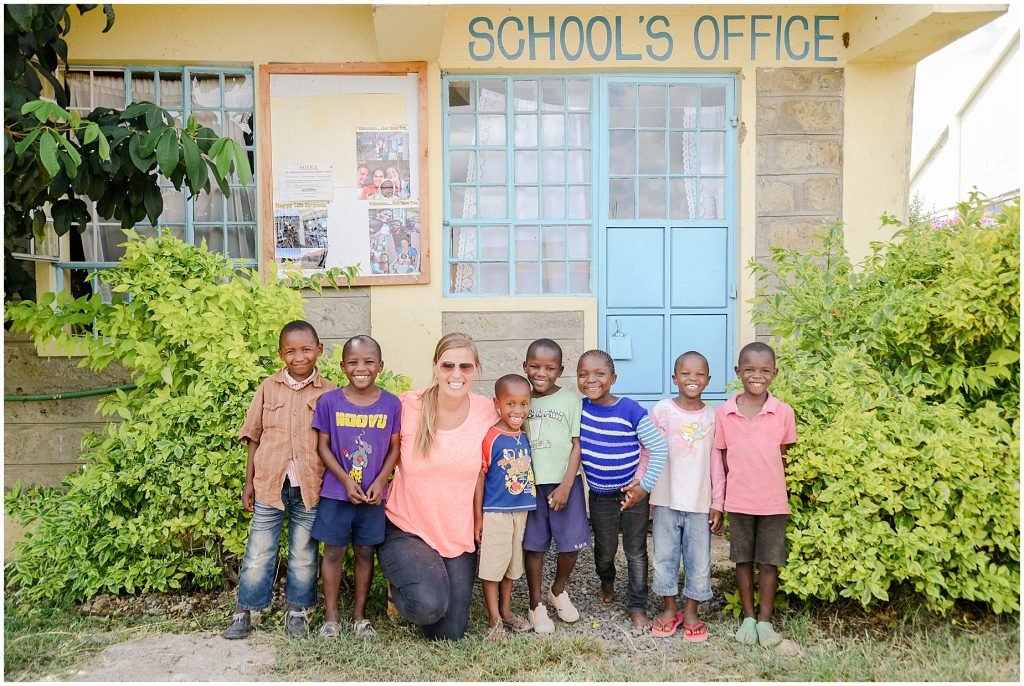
(343, 162)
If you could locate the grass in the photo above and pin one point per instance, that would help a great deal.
(839, 642)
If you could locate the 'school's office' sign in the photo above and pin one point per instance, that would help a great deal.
(600, 38)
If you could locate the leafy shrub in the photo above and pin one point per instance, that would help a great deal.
(905, 377)
(156, 504)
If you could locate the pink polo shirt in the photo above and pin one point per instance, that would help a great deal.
(756, 482)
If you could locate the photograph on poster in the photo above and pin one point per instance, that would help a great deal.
(394, 238)
(300, 232)
(382, 168)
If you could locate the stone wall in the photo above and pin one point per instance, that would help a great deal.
(502, 339)
(798, 168)
(339, 314)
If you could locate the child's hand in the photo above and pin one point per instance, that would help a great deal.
(478, 530)
(249, 497)
(375, 492)
(715, 520)
(354, 492)
(634, 494)
(558, 498)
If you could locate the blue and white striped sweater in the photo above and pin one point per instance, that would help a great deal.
(610, 439)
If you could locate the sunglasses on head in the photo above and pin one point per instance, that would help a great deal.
(464, 367)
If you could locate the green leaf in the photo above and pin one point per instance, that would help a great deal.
(22, 14)
(104, 147)
(1003, 357)
(194, 167)
(48, 153)
(92, 132)
(241, 163)
(154, 203)
(167, 376)
(167, 152)
(108, 11)
(72, 151)
(22, 145)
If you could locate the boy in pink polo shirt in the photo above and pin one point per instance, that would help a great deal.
(753, 430)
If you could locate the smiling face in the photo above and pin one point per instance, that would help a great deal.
(300, 350)
(378, 176)
(513, 405)
(543, 367)
(756, 370)
(595, 379)
(362, 175)
(361, 364)
(455, 371)
(393, 174)
(691, 376)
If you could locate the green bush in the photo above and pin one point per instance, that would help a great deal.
(156, 505)
(904, 374)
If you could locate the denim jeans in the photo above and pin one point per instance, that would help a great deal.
(606, 520)
(687, 533)
(259, 565)
(427, 589)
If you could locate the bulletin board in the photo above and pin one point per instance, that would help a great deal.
(345, 145)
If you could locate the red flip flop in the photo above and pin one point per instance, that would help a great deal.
(663, 629)
(695, 633)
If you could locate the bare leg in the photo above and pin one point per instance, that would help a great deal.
(330, 569)
(505, 598)
(668, 615)
(534, 563)
(364, 577)
(640, 619)
(491, 600)
(768, 582)
(607, 591)
(566, 563)
(745, 583)
(691, 618)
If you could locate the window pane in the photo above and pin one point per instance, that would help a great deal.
(241, 205)
(460, 96)
(213, 235)
(712, 107)
(527, 239)
(622, 105)
(579, 166)
(622, 152)
(579, 95)
(492, 166)
(553, 166)
(620, 199)
(463, 278)
(493, 243)
(462, 166)
(579, 277)
(109, 248)
(652, 152)
(579, 242)
(238, 90)
(238, 125)
(174, 205)
(526, 166)
(493, 202)
(209, 207)
(579, 130)
(462, 129)
(683, 152)
(553, 243)
(242, 242)
(527, 201)
(143, 87)
(463, 243)
(652, 198)
(492, 129)
(527, 278)
(712, 198)
(652, 106)
(526, 131)
(463, 202)
(683, 198)
(553, 202)
(683, 107)
(553, 94)
(210, 119)
(494, 278)
(526, 96)
(552, 130)
(206, 90)
(492, 96)
(579, 202)
(553, 279)
(712, 152)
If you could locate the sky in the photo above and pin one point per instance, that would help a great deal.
(945, 78)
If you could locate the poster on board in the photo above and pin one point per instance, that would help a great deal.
(394, 230)
(301, 234)
(382, 163)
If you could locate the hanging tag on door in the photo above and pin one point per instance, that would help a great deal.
(620, 346)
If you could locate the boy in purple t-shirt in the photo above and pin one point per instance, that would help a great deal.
(358, 430)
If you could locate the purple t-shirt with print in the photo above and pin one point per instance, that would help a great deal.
(360, 437)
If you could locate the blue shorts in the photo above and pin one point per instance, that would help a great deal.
(339, 521)
(568, 526)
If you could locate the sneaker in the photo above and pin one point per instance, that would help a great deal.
(567, 612)
(296, 623)
(241, 626)
(540, 621)
(363, 629)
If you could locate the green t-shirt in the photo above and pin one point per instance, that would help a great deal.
(553, 422)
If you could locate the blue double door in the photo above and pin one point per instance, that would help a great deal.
(667, 229)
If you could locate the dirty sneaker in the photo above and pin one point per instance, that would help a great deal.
(767, 636)
(296, 623)
(540, 621)
(747, 633)
(567, 612)
(241, 626)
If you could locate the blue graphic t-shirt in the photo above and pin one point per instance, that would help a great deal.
(509, 483)
(360, 437)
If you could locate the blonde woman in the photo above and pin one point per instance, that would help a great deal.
(429, 554)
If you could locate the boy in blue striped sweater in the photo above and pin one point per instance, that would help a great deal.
(612, 430)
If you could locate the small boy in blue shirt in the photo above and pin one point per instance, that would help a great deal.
(505, 493)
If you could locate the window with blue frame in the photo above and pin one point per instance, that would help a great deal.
(519, 168)
(220, 98)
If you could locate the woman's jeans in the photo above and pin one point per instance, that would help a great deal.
(427, 589)
(685, 534)
(606, 520)
(256, 580)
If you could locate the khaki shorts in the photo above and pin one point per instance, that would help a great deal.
(501, 546)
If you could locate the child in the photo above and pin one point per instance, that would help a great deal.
(358, 428)
(282, 473)
(753, 429)
(612, 431)
(505, 492)
(687, 499)
(554, 430)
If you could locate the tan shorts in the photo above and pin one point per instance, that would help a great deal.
(501, 546)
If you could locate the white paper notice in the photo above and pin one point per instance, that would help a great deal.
(305, 182)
